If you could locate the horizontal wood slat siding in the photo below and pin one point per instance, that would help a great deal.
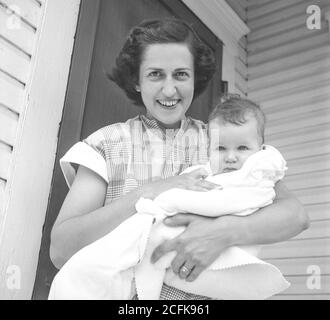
(5, 160)
(290, 269)
(288, 74)
(311, 164)
(299, 285)
(288, 63)
(8, 126)
(240, 7)
(271, 7)
(16, 32)
(319, 211)
(297, 249)
(310, 68)
(314, 196)
(287, 13)
(2, 195)
(14, 62)
(318, 229)
(29, 10)
(318, 39)
(19, 22)
(11, 93)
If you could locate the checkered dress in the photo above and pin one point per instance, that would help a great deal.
(140, 151)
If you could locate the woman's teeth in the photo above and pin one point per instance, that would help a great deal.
(168, 103)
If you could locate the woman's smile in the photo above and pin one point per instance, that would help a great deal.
(169, 104)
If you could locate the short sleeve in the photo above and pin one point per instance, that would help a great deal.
(88, 153)
(270, 165)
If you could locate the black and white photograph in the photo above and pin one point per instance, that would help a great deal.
(164, 150)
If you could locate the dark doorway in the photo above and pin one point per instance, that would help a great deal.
(92, 101)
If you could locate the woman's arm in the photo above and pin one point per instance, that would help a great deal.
(282, 220)
(83, 217)
(205, 238)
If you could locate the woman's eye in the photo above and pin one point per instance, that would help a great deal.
(154, 74)
(181, 75)
(243, 148)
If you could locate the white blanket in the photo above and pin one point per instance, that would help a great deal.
(106, 268)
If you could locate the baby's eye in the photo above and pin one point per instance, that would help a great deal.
(182, 75)
(243, 148)
(221, 148)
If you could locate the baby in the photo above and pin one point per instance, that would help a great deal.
(236, 137)
(236, 131)
(247, 171)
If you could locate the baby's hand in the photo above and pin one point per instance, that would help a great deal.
(194, 180)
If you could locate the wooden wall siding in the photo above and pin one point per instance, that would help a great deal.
(19, 22)
(288, 73)
(240, 7)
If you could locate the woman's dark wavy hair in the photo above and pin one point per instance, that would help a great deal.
(126, 72)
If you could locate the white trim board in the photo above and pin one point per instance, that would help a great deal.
(221, 19)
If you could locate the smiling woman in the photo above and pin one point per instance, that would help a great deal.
(162, 67)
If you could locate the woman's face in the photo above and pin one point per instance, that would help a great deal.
(166, 82)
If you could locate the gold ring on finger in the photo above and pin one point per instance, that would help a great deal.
(184, 271)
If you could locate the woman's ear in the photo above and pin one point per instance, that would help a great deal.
(137, 88)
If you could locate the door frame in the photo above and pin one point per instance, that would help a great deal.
(73, 113)
(69, 133)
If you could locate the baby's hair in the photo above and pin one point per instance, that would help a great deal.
(234, 109)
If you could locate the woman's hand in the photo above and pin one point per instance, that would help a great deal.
(198, 246)
(193, 180)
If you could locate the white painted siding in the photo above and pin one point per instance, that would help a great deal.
(241, 72)
(288, 73)
(19, 23)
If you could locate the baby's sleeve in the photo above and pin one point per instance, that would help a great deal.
(269, 165)
(88, 153)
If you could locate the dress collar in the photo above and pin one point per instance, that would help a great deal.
(151, 123)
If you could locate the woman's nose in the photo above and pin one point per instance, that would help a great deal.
(169, 88)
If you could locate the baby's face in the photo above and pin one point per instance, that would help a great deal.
(231, 144)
